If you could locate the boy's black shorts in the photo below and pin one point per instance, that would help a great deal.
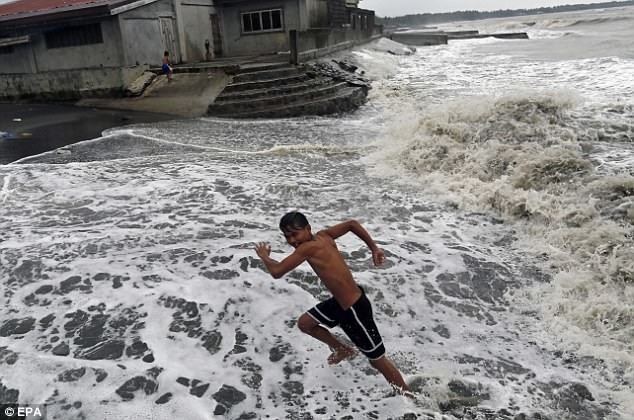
(357, 322)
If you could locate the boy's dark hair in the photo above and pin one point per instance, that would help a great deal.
(166, 53)
(293, 220)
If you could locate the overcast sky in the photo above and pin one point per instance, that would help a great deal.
(407, 7)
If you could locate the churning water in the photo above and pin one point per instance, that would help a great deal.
(496, 174)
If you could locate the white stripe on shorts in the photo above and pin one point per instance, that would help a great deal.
(363, 327)
(322, 314)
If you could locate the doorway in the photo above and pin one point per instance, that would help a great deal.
(169, 38)
(216, 35)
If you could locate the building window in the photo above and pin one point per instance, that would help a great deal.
(6, 49)
(73, 36)
(262, 21)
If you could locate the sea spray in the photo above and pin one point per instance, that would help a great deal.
(519, 156)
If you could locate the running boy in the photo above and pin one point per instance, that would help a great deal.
(349, 307)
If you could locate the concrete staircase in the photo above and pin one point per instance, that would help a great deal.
(282, 90)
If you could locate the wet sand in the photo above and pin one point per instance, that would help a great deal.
(30, 129)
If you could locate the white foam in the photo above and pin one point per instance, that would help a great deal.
(493, 154)
(442, 128)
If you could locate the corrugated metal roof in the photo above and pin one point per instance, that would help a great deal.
(38, 6)
(25, 13)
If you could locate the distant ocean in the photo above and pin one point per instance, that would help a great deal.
(496, 174)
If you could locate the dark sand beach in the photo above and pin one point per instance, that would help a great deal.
(30, 129)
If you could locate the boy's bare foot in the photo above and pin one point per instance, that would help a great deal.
(408, 394)
(340, 354)
(404, 392)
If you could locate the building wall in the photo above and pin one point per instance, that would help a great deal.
(130, 38)
(20, 60)
(313, 39)
(317, 13)
(69, 84)
(196, 29)
(338, 13)
(316, 42)
(361, 20)
(36, 57)
(311, 18)
(237, 43)
(143, 33)
(142, 42)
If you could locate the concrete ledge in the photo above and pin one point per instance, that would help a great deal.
(66, 85)
(439, 37)
(346, 45)
(200, 68)
(187, 95)
(420, 39)
(514, 35)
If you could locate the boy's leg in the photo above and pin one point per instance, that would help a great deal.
(307, 324)
(390, 372)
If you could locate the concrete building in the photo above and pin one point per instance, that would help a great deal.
(86, 47)
(45, 35)
(263, 26)
(76, 47)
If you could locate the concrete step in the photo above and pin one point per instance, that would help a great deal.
(267, 83)
(271, 101)
(343, 100)
(251, 67)
(276, 73)
(271, 91)
(234, 65)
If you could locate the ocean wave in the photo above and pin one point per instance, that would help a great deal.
(378, 59)
(589, 21)
(520, 157)
(136, 143)
(310, 149)
(119, 144)
(551, 34)
(611, 124)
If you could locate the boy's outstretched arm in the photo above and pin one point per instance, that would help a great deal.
(278, 269)
(378, 256)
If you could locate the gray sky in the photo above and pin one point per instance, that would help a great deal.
(407, 7)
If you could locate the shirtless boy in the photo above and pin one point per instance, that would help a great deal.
(349, 307)
(166, 67)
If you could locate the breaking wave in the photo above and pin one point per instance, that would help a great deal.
(525, 158)
(566, 23)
